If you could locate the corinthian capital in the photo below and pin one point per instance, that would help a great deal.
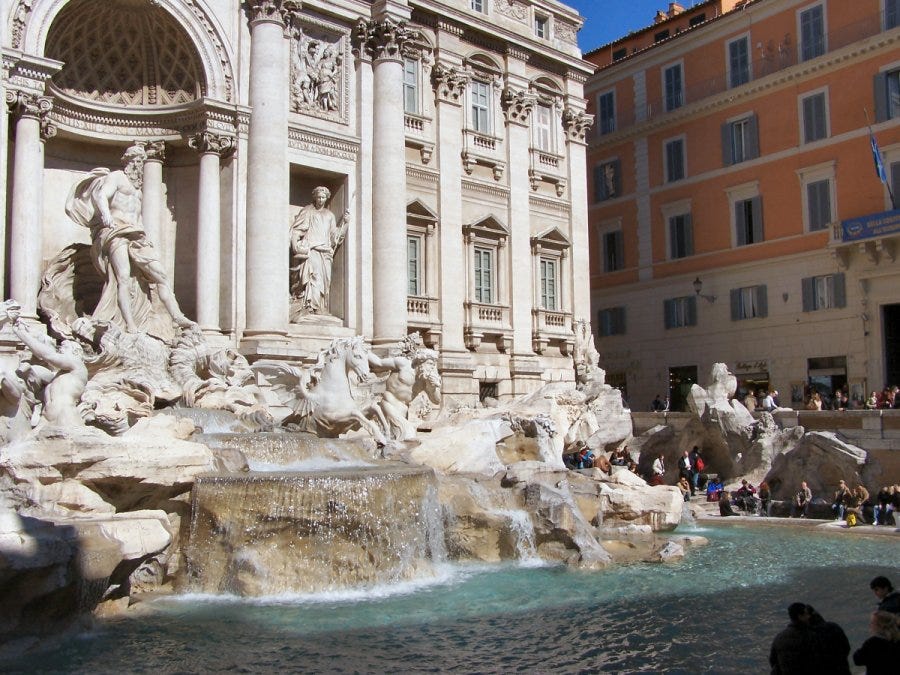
(385, 39)
(156, 151)
(449, 83)
(23, 104)
(276, 11)
(517, 104)
(576, 123)
(206, 142)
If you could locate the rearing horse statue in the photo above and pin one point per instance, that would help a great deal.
(324, 404)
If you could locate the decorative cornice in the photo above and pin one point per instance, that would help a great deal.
(205, 142)
(385, 39)
(320, 144)
(470, 185)
(517, 105)
(560, 207)
(576, 123)
(449, 83)
(423, 175)
(273, 11)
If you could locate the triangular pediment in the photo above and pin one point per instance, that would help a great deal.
(488, 226)
(419, 211)
(551, 238)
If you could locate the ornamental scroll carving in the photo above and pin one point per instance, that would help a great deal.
(517, 104)
(279, 11)
(513, 9)
(206, 142)
(449, 83)
(23, 104)
(385, 39)
(576, 123)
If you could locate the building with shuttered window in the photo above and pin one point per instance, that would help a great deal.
(736, 212)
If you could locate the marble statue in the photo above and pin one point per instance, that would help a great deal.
(412, 370)
(315, 75)
(109, 204)
(59, 377)
(321, 396)
(588, 374)
(315, 236)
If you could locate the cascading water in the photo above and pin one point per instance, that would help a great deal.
(522, 529)
(297, 532)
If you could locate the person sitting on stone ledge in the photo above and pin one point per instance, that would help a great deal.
(801, 501)
(619, 457)
(842, 497)
(685, 488)
(765, 499)
(714, 489)
(725, 509)
(658, 471)
(858, 503)
(744, 498)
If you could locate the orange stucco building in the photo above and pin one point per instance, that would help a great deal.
(736, 212)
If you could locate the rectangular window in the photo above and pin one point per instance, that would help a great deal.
(893, 93)
(484, 278)
(815, 126)
(673, 87)
(738, 62)
(674, 160)
(818, 204)
(543, 127)
(681, 236)
(661, 35)
(480, 93)
(891, 14)
(894, 177)
(606, 107)
(748, 221)
(824, 292)
(607, 182)
(620, 53)
(410, 86)
(812, 32)
(680, 312)
(549, 284)
(414, 265)
(613, 251)
(697, 19)
(541, 26)
(477, 5)
(749, 302)
(611, 321)
(740, 140)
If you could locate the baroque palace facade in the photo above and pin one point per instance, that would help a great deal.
(449, 133)
(736, 213)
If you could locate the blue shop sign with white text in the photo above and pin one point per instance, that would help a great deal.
(873, 225)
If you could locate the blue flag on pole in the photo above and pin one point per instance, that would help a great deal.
(879, 161)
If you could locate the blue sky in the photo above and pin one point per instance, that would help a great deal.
(607, 20)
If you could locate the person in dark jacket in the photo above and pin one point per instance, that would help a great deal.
(833, 645)
(794, 649)
(880, 654)
(888, 598)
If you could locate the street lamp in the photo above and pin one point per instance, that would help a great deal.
(698, 286)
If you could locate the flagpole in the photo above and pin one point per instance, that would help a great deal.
(879, 160)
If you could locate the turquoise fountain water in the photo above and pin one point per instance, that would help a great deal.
(715, 611)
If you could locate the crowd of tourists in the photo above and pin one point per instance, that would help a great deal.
(811, 645)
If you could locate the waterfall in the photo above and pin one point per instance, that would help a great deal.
(296, 532)
(522, 529)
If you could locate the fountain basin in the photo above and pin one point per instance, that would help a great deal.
(255, 534)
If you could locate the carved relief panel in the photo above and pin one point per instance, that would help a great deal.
(320, 63)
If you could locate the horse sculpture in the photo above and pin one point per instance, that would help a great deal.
(322, 400)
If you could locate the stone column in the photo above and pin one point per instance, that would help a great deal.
(517, 106)
(267, 172)
(26, 223)
(576, 124)
(384, 41)
(211, 148)
(455, 264)
(152, 203)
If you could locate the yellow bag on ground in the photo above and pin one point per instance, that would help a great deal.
(851, 519)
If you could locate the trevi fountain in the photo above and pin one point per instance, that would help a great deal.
(296, 461)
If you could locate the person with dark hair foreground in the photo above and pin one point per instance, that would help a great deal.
(809, 645)
(888, 598)
(880, 654)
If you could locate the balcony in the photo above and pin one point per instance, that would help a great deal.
(770, 56)
(876, 237)
(488, 323)
(483, 149)
(547, 167)
(552, 327)
(422, 314)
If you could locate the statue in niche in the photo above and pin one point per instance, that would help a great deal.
(315, 236)
(315, 75)
(56, 381)
(412, 370)
(135, 291)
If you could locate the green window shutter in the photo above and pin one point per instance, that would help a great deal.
(762, 301)
(735, 294)
(840, 290)
(808, 286)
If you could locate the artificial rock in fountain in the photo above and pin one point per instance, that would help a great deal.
(294, 532)
(822, 460)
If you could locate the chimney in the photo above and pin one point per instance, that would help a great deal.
(675, 9)
(660, 17)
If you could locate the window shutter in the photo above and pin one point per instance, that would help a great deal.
(692, 310)
(688, 235)
(620, 320)
(809, 116)
(669, 313)
(599, 184)
(740, 223)
(620, 250)
(881, 100)
(673, 237)
(727, 159)
(840, 290)
(762, 301)
(808, 286)
(756, 210)
(617, 177)
(735, 294)
(752, 149)
(895, 184)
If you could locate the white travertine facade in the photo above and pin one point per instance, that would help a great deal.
(451, 131)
